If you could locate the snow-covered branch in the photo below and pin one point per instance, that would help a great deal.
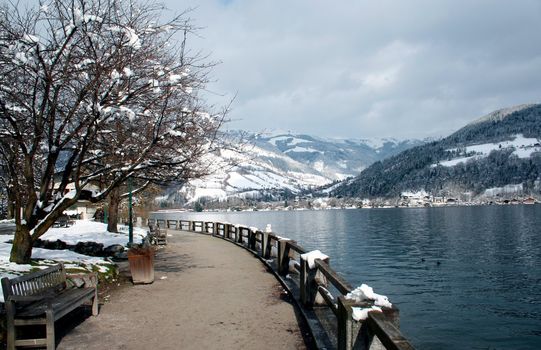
(93, 92)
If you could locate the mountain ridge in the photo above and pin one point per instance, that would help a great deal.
(274, 166)
(497, 150)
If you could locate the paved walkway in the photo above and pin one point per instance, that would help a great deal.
(208, 294)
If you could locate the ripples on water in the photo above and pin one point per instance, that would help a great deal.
(463, 277)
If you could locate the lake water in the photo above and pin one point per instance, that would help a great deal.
(462, 277)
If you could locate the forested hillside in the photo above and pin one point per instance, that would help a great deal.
(497, 150)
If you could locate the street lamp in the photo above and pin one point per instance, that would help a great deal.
(130, 214)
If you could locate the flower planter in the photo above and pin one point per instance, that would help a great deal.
(141, 265)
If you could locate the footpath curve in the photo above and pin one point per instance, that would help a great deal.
(207, 294)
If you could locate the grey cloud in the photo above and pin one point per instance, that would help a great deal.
(370, 69)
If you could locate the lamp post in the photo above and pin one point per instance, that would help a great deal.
(130, 214)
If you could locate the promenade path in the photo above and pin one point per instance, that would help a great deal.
(208, 294)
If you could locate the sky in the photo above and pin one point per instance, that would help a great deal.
(366, 69)
(356, 69)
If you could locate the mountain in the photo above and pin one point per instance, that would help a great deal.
(495, 155)
(278, 165)
(335, 159)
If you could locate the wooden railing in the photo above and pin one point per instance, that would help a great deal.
(314, 289)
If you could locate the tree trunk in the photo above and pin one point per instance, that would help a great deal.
(21, 251)
(11, 206)
(114, 202)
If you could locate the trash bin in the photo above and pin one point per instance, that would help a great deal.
(141, 261)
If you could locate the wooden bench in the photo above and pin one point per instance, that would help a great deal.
(41, 298)
(157, 236)
(64, 221)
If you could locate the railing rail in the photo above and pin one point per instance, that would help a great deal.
(378, 331)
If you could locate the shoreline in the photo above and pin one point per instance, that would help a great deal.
(461, 204)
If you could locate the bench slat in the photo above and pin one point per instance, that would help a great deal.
(60, 302)
(31, 342)
(36, 274)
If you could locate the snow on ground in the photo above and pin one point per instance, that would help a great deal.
(237, 180)
(414, 194)
(201, 192)
(81, 231)
(310, 179)
(298, 149)
(376, 143)
(70, 259)
(91, 231)
(523, 148)
(290, 140)
(507, 189)
(453, 162)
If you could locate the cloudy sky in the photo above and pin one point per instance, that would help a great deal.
(417, 68)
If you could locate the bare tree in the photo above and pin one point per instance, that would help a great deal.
(93, 92)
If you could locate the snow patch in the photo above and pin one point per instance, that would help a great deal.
(523, 148)
(311, 257)
(91, 231)
(507, 189)
(361, 313)
(303, 149)
(290, 140)
(414, 194)
(365, 292)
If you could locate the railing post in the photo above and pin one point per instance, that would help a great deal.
(307, 284)
(239, 234)
(168, 223)
(346, 333)
(215, 229)
(264, 245)
(392, 315)
(283, 256)
(251, 239)
(227, 231)
(310, 278)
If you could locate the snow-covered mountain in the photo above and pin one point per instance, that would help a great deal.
(335, 159)
(497, 154)
(271, 165)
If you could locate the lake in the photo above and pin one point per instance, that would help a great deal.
(462, 277)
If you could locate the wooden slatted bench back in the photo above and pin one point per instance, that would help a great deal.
(41, 298)
(51, 279)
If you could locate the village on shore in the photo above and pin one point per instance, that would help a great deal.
(406, 200)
